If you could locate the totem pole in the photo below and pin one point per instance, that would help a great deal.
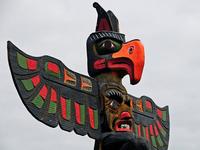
(99, 105)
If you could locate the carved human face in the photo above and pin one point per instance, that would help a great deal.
(117, 107)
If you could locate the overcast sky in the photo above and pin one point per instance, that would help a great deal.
(169, 30)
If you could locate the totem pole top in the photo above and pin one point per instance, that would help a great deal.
(99, 105)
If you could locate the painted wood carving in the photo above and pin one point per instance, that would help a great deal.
(97, 105)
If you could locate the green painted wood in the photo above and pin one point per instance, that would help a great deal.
(82, 109)
(52, 108)
(57, 75)
(68, 109)
(144, 132)
(22, 61)
(163, 132)
(28, 85)
(136, 129)
(38, 101)
(96, 123)
(160, 142)
(164, 115)
(153, 141)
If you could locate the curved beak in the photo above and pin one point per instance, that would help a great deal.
(129, 58)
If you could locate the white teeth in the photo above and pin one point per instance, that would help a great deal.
(125, 126)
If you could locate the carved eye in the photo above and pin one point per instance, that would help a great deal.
(102, 45)
(114, 104)
(112, 45)
(107, 46)
(131, 49)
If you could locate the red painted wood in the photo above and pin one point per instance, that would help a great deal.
(156, 130)
(159, 113)
(125, 115)
(53, 67)
(147, 133)
(151, 130)
(148, 105)
(36, 80)
(103, 25)
(77, 111)
(91, 116)
(158, 124)
(139, 130)
(63, 107)
(53, 95)
(32, 64)
(99, 64)
(43, 92)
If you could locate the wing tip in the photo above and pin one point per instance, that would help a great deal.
(9, 44)
(166, 107)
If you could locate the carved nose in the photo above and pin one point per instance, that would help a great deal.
(125, 115)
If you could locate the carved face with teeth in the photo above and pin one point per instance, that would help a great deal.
(117, 107)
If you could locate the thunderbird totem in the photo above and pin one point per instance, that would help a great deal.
(99, 105)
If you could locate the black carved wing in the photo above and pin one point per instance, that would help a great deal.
(151, 122)
(54, 94)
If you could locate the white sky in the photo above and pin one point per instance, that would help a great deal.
(168, 29)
